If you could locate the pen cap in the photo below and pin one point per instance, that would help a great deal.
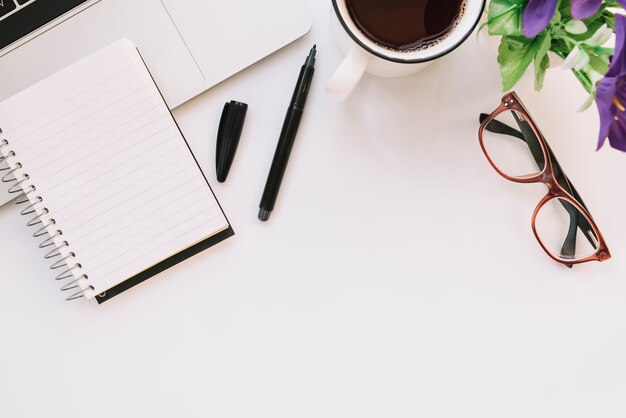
(228, 136)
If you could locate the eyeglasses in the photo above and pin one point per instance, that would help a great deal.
(518, 151)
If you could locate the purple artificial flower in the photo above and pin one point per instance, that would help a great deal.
(611, 94)
(539, 13)
(584, 9)
(537, 16)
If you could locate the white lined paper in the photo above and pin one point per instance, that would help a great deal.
(111, 166)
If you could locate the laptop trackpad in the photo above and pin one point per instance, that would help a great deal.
(145, 22)
(227, 36)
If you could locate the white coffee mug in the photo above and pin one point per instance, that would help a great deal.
(365, 56)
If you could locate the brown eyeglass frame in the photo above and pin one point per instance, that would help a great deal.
(555, 191)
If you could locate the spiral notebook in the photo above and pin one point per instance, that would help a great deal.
(105, 176)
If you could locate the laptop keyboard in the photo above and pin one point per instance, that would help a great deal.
(6, 6)
(18, 18)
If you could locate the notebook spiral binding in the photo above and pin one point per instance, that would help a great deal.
(65, 264)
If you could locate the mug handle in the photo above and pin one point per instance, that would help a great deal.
(348, 74)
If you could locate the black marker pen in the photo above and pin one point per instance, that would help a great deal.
(287, 137)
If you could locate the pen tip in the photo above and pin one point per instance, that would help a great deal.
(311, 58)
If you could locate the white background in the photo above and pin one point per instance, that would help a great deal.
(398, 276)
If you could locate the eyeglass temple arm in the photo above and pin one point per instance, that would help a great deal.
(569, 245)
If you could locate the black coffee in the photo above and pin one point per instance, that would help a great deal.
(405, 25)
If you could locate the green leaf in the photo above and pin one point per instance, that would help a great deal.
(609, 19)
(565, 10)
(505, 17)
(515, 55)
(540, 72)
(542, 61)
(599, 64)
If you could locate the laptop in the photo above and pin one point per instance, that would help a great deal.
(188, 45)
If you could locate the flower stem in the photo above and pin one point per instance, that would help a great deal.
(604, 51)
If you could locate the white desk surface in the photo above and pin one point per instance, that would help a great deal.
(398, 277)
